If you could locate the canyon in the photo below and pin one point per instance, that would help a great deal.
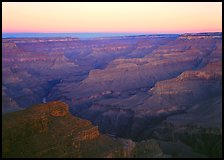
(164, 90)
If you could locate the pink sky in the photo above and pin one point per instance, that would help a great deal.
(147, 17)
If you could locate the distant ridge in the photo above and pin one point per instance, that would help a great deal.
(100, 35)
(78, 35)
(204, 34)
(82, 35)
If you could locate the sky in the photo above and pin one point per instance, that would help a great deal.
(127, 17)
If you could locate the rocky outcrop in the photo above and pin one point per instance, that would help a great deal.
(88, 134)
(37, 122)
(34, 132)
(58, 109)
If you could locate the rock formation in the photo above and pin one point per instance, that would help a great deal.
(49, 130)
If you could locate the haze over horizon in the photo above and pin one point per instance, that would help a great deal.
(150, 18)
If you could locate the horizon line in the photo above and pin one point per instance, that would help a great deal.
(112, 32)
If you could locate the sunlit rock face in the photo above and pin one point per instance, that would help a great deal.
(49, 130)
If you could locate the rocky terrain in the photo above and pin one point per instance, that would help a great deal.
(135, 87)
(34, 66)
(49, 130)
